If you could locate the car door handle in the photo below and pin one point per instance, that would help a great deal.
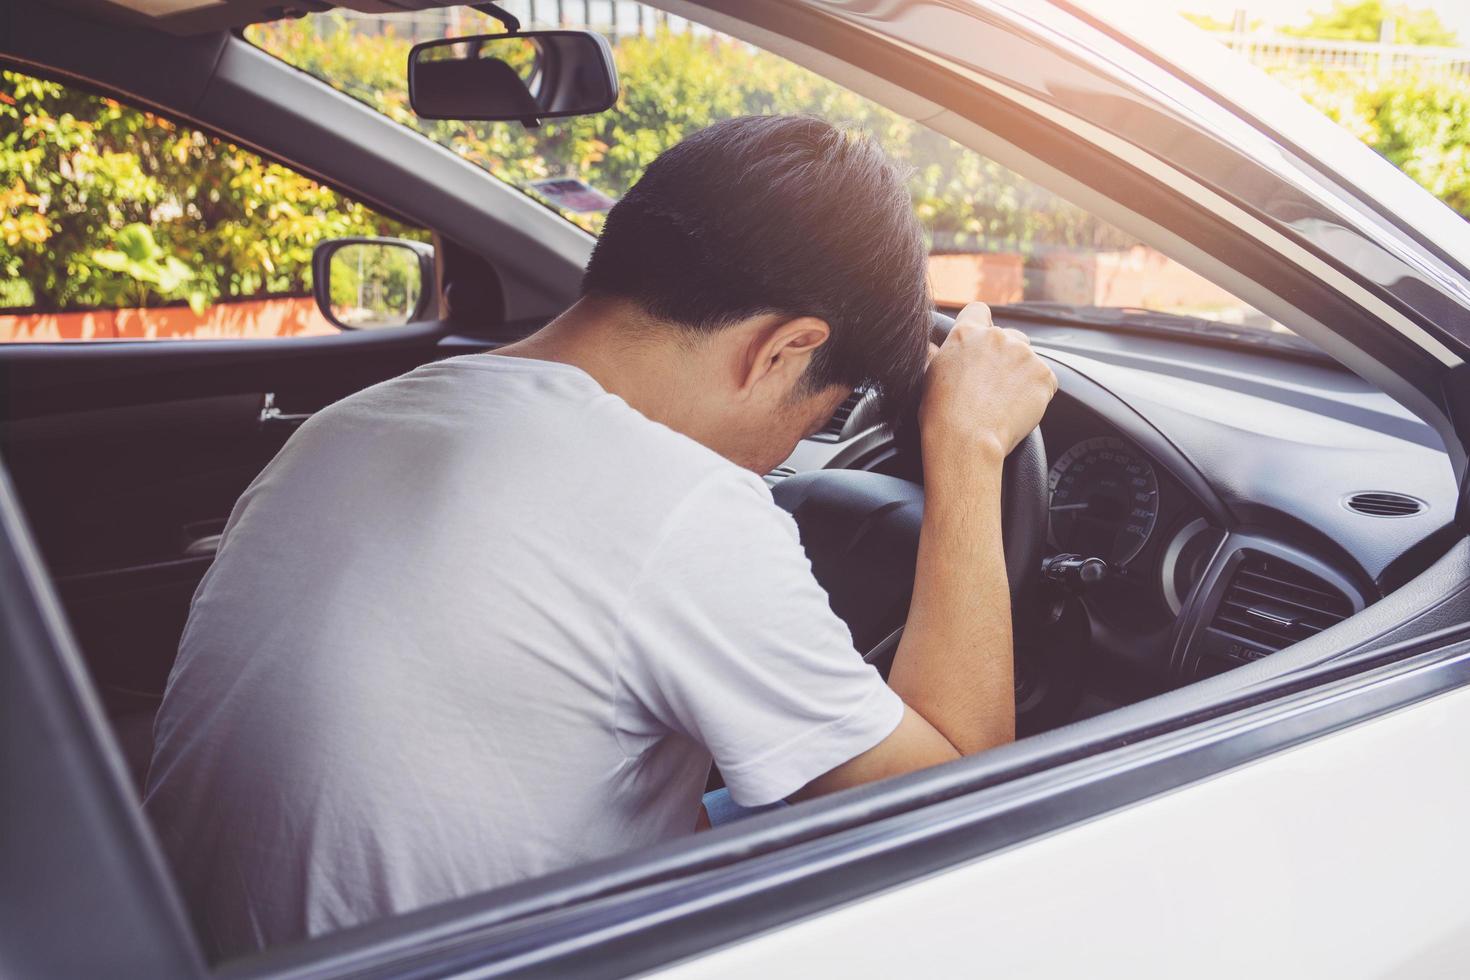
(271, 416)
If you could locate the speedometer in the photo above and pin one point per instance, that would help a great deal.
(1104, 500)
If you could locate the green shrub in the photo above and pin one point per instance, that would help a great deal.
(675, 84)
(1424, 129)
(1421, 125)
(81, 174)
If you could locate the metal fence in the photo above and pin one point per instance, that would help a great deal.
(613, 18)
(626, 18)
(1278, 53)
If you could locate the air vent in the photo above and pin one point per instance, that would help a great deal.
(832, 431)
(1271, 604)
(1385, 503)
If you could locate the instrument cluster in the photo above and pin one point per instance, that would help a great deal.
(1111, 501)
(1104, 500)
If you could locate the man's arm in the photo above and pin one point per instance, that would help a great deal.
(984, 392)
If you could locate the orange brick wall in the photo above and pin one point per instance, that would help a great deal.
(283, 316)
(1137, 276)
(992, 277)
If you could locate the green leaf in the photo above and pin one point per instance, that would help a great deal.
(136, 242)
(111, 260)
(172, 274)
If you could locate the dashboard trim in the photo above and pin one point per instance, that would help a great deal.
(1168, 564)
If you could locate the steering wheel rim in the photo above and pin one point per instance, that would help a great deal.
(857, 526)
(1024, 498)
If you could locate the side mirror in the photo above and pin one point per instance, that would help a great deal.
(367, 283)
(526, 76)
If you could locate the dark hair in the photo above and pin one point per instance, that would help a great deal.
(779, 214)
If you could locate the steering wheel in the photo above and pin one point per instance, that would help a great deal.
(861, 531)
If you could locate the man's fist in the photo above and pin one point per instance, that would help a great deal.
(985, 390)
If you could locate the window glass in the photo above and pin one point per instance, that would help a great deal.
(119, 224)
(994, 235)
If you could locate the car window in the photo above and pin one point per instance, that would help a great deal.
(116, 223)
(994, 235)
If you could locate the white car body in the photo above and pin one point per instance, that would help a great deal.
(1344, 857)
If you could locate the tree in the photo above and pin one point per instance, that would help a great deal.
(1424, 129)
(1363, 21)
(105, 205)
(673, 85)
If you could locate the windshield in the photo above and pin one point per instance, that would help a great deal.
(994, 236)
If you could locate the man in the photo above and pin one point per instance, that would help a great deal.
(495, 617)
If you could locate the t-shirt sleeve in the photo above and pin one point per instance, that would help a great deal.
(731, 641)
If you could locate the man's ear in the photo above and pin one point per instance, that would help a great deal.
(781, 352)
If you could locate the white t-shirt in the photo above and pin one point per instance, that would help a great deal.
(479, 623)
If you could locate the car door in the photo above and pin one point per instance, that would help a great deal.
(148, 384)
(146, 390)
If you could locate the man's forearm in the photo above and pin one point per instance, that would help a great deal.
(954, 665)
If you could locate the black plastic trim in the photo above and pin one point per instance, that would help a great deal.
(111, 581)
(321, 275)
(86, 891)
(1457, 396)
(45, 379)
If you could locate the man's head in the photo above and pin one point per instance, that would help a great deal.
(786, 254)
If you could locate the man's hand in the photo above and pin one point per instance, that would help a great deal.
(985, 390)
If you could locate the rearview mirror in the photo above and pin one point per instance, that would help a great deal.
(527, 76)
(367, 283)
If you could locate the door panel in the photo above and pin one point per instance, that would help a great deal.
(1341, 858)
(126, 490)
(128, 458)
(133, 485)
(122, 502)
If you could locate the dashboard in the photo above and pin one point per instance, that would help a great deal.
(1242, 501)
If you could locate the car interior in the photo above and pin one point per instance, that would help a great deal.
(1201, 509)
